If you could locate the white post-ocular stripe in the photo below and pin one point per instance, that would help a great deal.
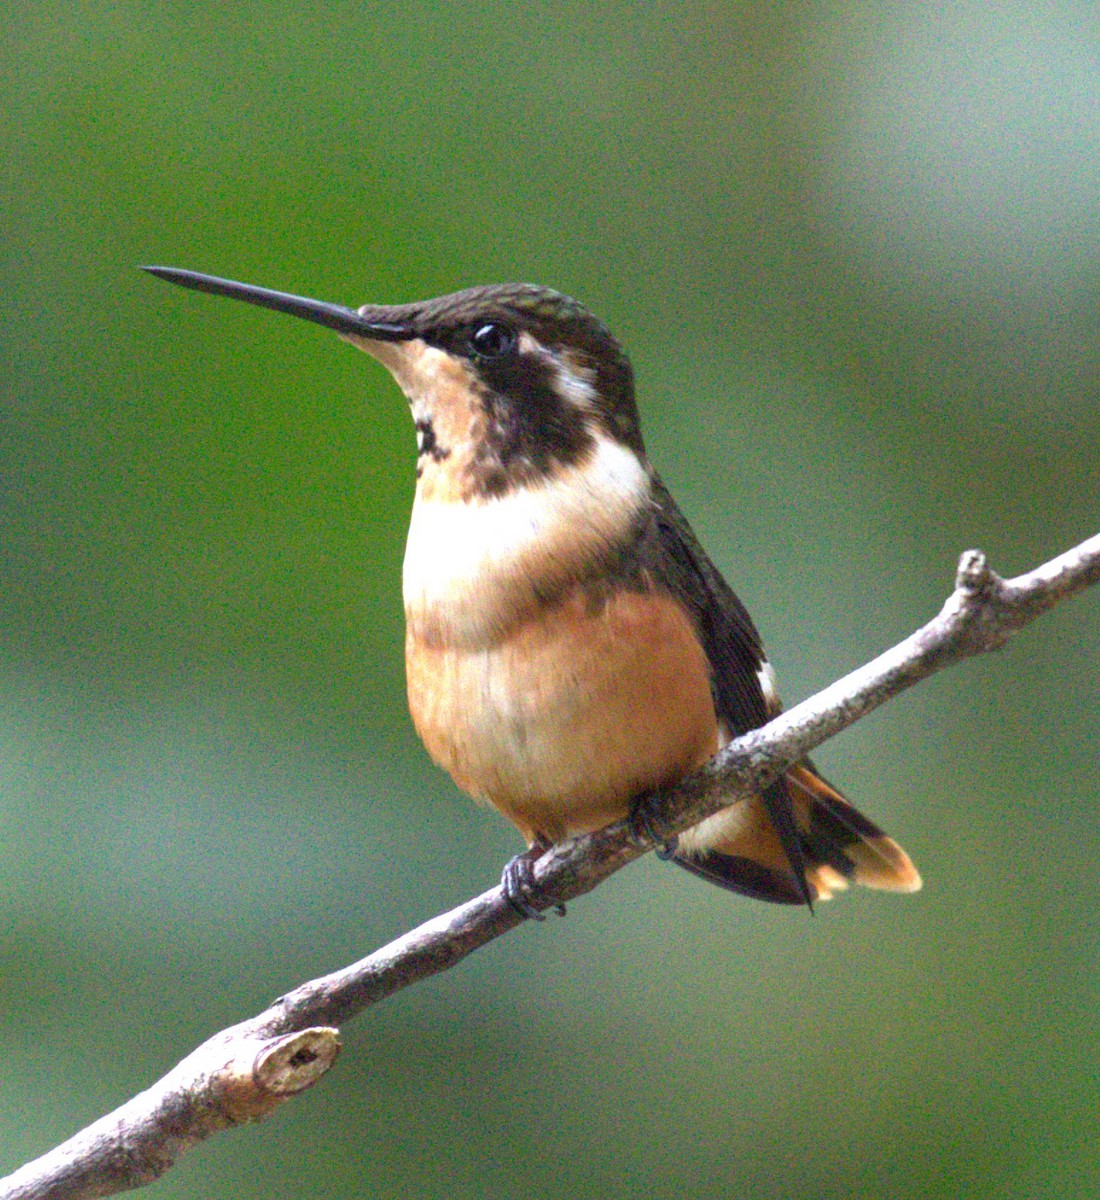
(574, 384)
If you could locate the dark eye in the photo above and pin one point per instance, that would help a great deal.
(492, 340)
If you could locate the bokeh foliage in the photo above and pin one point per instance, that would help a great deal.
(855, 257)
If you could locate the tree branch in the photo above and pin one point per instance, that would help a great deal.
(243, 1072)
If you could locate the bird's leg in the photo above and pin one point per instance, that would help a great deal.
(641, 821)
(518, 882)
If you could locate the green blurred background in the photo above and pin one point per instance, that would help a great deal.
(854, 250)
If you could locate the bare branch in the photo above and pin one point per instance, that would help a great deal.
(245, 1071)
(234, 1077)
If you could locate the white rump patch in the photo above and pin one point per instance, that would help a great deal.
(766, 676)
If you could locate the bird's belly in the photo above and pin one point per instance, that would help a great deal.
(570, 716)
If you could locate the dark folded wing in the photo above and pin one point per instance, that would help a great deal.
(677, 563)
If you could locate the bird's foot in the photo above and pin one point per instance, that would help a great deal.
(642, 826)
(520, 889)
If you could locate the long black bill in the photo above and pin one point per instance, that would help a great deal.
(334, 316)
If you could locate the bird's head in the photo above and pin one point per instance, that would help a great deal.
(509, 384)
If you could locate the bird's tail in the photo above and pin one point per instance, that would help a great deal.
(740, 849)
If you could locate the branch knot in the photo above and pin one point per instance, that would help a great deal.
(973, 575)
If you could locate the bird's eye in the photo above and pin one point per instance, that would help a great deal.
(492, 340)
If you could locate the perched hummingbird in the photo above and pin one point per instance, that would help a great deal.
(570, 646)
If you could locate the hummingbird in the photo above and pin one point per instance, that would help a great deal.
(570, 647)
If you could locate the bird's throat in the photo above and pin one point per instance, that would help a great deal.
(477, 567)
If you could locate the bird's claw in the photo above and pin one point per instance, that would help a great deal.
(665, 848)
(519, 886)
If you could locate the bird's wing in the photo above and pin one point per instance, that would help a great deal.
(677, 563)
